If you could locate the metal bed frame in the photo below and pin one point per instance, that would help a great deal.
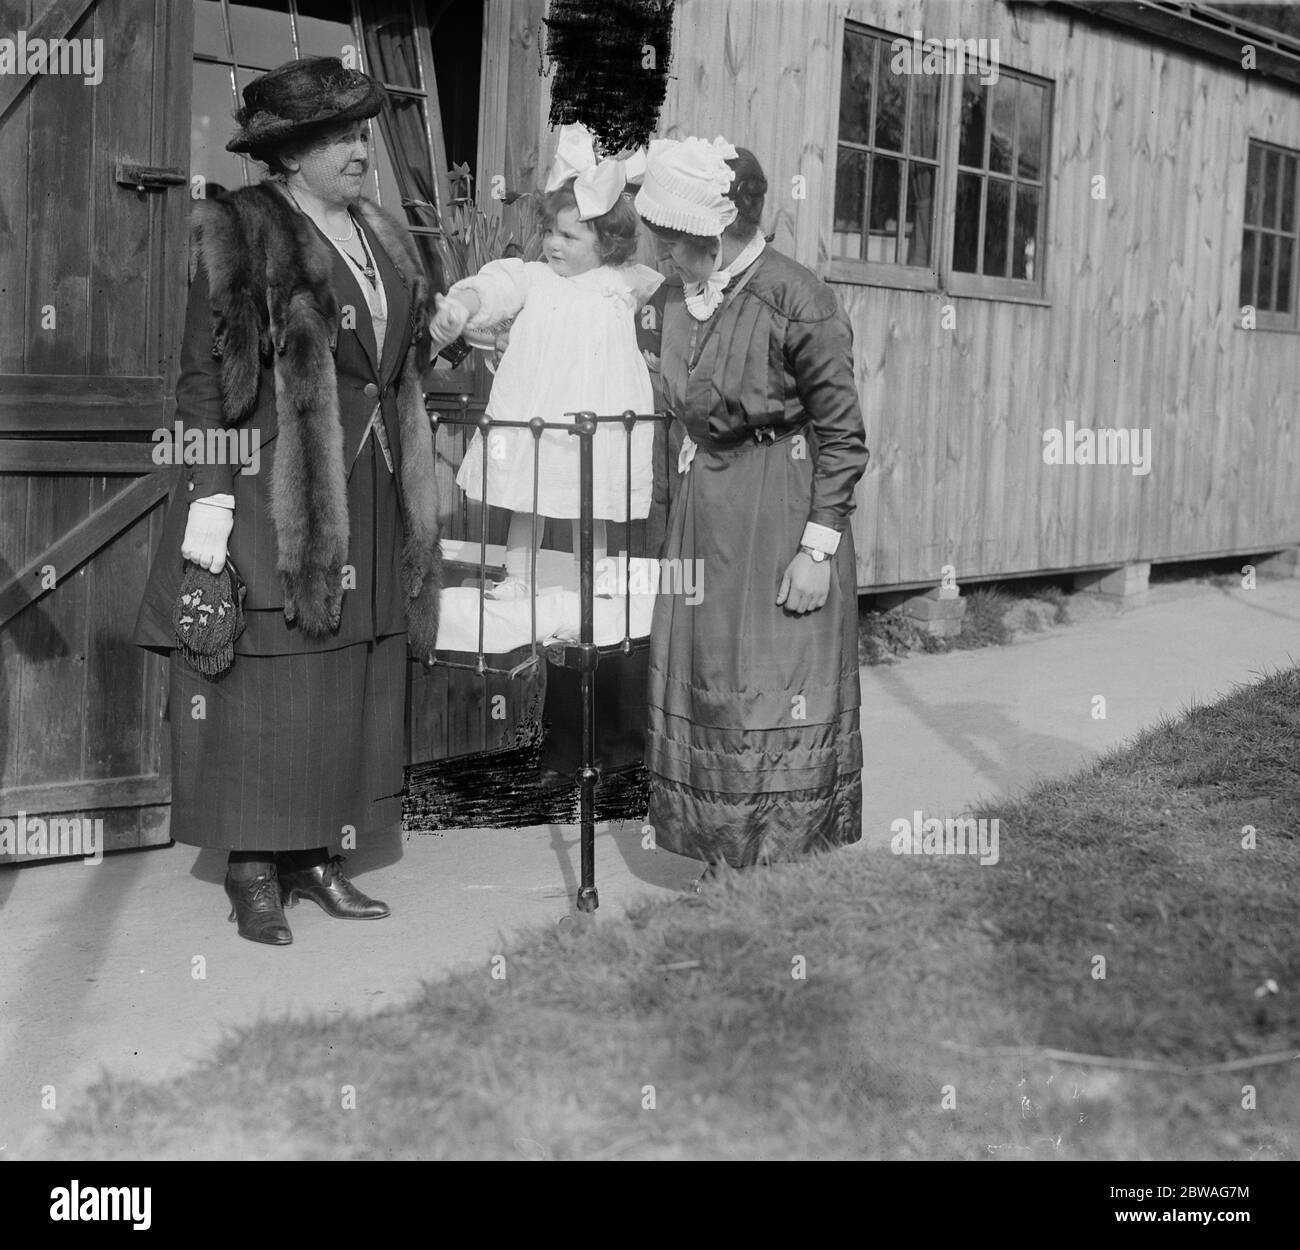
(584, 655)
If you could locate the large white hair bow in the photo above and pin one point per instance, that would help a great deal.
(597, 184)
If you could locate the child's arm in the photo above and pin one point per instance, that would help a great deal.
(453, 313)
(493, 296)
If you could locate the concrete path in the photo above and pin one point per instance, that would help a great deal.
(100, 965)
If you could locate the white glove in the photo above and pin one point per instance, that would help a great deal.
(449, 321)
(207, 528)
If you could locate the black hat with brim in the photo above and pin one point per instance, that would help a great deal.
(302, 99)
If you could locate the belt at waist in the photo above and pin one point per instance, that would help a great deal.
(760, 434)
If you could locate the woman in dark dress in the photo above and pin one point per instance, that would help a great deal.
(306, 328)
(754, 748)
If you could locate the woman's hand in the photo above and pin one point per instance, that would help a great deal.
(805, 585)
(207, 528)
(449, 321)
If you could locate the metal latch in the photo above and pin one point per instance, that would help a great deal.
(149, 177)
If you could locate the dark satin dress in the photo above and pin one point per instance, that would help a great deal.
(302, 741)
(754, 748)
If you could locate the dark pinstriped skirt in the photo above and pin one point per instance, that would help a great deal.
(291, 750)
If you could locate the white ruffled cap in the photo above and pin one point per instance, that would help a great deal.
(685, 186)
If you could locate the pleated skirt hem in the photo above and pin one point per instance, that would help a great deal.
(744, 829)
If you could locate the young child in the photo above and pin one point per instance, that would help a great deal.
(573, 348)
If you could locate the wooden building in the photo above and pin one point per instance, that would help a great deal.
(1098, 228)
(1107, 304)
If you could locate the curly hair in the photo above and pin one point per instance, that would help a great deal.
(616, 230)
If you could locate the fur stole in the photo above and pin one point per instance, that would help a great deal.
(273, 302)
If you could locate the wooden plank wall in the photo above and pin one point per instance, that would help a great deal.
(512, 100)
(1141, 286)
(79, 706)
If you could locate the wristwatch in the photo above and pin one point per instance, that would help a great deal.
(816, 556)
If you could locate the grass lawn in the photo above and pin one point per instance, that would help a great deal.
(937, 997)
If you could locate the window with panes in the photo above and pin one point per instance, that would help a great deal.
(940, 178)
(1270, 236)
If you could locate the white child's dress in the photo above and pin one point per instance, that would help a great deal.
(572, 349)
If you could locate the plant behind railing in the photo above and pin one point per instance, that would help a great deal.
(471, 238)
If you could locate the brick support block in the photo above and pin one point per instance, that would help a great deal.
(923, 608)
(947, 628)
(938, 611)
(1129, 583)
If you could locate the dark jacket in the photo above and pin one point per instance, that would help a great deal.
(278, 340)
(782, 360)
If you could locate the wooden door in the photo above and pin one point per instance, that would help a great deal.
(92, 287)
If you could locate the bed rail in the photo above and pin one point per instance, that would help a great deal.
(584, 655)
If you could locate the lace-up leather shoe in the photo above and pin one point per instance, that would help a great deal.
(326, 885)
(255, 904)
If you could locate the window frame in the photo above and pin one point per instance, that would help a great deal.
(427, 91)
(873, 272)
(1271, 320)
(940, 277)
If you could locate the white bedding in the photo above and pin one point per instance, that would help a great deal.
(506, 622)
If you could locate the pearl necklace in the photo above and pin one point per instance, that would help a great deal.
(345, 238)
(369, 267)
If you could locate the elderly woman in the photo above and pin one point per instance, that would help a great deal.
(753, 745)
(307, 328)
